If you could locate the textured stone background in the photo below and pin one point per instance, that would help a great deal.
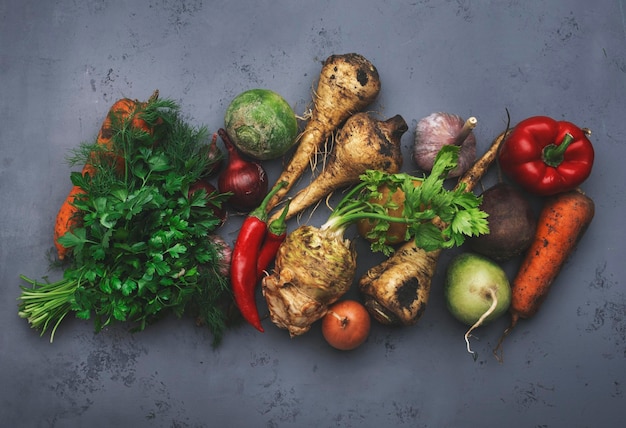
(63, 62)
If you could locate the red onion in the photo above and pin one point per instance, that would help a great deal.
(440, 129)
(215, 157)
(246, 180)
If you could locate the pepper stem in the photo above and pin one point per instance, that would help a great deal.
(553, 155)
(279, 226)
(261, 211)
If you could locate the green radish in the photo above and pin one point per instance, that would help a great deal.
(261, 124)
(477, 291)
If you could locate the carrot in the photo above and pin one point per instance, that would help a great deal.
(396, 291)
(68, 215)
(347, 84)
(563, 220)
(362, 143)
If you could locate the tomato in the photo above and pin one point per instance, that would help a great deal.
(396, 234)
(346, 325)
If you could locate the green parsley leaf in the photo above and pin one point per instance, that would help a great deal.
(426, 199)
(143, 247)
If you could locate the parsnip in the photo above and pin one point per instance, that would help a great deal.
(363, 143)
(316, 266)
(347, 84)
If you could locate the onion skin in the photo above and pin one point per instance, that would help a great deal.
(346, 325)
(439, 129)
(216, 158)
(246, 180)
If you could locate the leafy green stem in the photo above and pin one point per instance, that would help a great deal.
(46, 304)
(425, 199)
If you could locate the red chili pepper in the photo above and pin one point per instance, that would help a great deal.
(276, 234)
(546, 156)
(243, 273)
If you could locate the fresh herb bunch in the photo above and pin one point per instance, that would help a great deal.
(425, 207)
(143, 247)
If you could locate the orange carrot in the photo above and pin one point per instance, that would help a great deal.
(562, 222)
(68, 216)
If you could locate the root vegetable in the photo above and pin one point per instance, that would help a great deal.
(512, 223)
(363, 143)
(346, 325)
(68, 216)
(261, 124)
(313, 269)
(562, 222)
(396, 291)
(347, 84)
(476, 290)
(439, 129)
(316, 266)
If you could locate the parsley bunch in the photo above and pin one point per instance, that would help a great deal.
(143, 247)
(426, 206)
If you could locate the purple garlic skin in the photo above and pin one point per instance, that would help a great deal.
(437, 130)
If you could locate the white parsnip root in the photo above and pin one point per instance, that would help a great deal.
(363, 143)
(347, 84)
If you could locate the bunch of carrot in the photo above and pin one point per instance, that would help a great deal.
(68, 216)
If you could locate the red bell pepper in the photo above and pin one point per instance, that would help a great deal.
(546, 156)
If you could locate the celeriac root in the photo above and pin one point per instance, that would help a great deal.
(314, 268)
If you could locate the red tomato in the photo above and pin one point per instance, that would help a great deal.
(346, 325)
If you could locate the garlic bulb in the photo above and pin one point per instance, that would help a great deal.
(440, 129)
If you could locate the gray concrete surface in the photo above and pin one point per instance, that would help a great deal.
(63, 63)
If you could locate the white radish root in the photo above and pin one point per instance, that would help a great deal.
(481, 320)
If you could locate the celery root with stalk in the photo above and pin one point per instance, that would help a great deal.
(314, 266)
(347, 84)
(396, 291)
(362, 143)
